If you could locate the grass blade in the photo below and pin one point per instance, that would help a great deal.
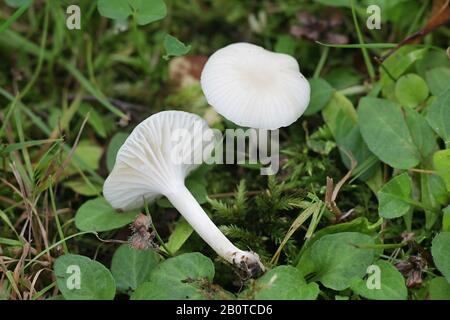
(16, 15)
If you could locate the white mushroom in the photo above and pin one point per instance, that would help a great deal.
(150, 164)
(254, 87)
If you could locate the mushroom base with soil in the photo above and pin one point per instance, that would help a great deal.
(189, 208)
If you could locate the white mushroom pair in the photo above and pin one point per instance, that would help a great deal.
(247, 84)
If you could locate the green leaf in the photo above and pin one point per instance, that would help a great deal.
(411, 90)
(286, 44)
(114, 9)
(337, 259)
(440, 249)
(421, 133)
(438, 115)
(438, 80)
(98, 215)
(341, 117)
(81, 187)
(446, 219)
(399, 62)
(89, 153)
(343, 77)
(432, 59)
(339, 104)
(321, 94)
(395, 196)
(386, 133)
(392, 284)
(433, 195)
(114, 145)
(284, 283)
(95, 120)
(360, 224)
(131, 267)
(179, 278)
(96, 282)
(174, 47)
(439, 289)
(145, 11)
(441, 162)
(148, 11)
(182, 232)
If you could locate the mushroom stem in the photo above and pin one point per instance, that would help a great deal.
(189, 208)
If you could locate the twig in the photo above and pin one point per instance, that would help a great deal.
(332, 191)
(422, 171)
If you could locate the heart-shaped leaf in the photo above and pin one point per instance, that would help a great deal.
(411, 90)
(131, 267)
(80, 278)
(391, 287)
(438, 116)
(440, 249)
(438, 80)
(284, 283)
(145, 11)
(114, 9)
(98, 215)
(187, 276)
(174, 47)
(386, 133)
(441, 162)
(114, 145)
(341, 117)
(395, 196)
(421, 133)
(439, 289)
(182, 232)
(321, 93)
(337, 259)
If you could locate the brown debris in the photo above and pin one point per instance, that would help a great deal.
(142, 238)
(186, 70)
(313, 28)
(412, 270)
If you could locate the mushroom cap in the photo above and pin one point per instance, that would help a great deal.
(254, 87)
(156, 157)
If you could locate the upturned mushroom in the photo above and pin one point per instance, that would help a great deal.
(254, 87)
(150, 164)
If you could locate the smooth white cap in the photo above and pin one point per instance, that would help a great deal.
(254, 87)
(156, 158)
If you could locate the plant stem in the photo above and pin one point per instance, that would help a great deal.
(147, 212)
(55, 214)
(369, 65)
(321, 64)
